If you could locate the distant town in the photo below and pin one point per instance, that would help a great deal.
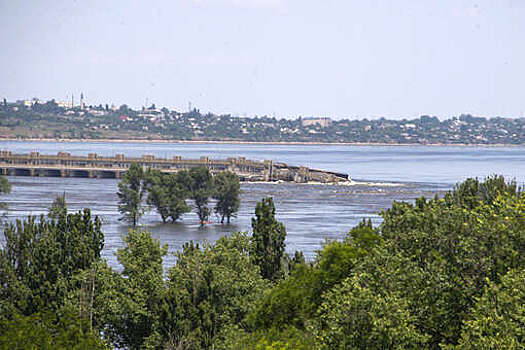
(36, 119)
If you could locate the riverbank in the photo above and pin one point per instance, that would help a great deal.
(284, 143)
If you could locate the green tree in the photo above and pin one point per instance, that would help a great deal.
(5, 187)
(47, 331)
(167, 193)
(158, 195)
(179, 192)
(200, 191)
(356, 317)
(40, 260)
(268, 240)
(497, 320)
(226, 190)
(295, 300)
(126, 303)
(414, 283)
(473, 192)
(130, 192)
(271, 339)
(210, 290)
(58, 207)
(439, 254)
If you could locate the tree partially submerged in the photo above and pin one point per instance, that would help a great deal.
(168, 193)
(131, 191)
(201, 187)
(440, 273)
(226, 191)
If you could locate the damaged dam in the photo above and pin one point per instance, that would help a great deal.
(65, 164)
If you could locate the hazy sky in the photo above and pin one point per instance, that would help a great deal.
(348, 58)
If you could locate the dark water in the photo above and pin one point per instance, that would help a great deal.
(311, 213)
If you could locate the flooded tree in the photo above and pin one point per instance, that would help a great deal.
(167, 193)
(226, 190)
(131, 190)
(200, 191)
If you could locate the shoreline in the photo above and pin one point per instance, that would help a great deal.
(283, 143)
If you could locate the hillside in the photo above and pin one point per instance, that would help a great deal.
(48, 120)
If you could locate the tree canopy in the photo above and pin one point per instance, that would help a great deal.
(5, 187)
(226, 191)
(268, 240)
(131, 191)
(58, 207)
(41, 259)
(436, 273)
(200, 191)
(168, 193)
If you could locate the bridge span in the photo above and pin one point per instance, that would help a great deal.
(64, 164)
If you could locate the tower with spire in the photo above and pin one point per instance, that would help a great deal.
(82, 104)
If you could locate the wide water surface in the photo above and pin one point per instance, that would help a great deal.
(311, 213)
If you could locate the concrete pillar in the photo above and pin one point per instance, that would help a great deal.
(63, 173)
(32, 172)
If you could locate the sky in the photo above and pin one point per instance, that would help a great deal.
(283, 58)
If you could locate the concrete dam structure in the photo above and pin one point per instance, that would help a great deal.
(64, 164)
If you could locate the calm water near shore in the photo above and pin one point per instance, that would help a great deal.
(311, 213)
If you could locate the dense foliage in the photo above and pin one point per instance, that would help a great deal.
(201, 191)
(5, 187)
(226, 191)
(131, 190)
(437, 273)
(268, 240)
(48, 332)
(58, 208)
(41, 259)
(168, 193)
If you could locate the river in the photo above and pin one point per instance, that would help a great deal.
(311, 213)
